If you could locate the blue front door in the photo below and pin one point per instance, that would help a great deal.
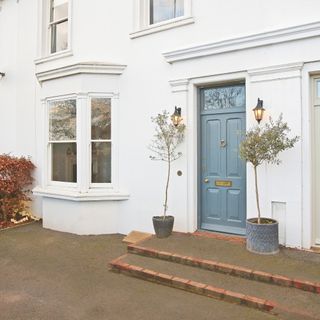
(223, 173)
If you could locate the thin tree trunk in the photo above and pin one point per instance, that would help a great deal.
(257, 193)
(167, 187)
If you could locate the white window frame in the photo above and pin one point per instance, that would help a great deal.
(51, 182)
(44, 36)
(113, 133)
(149, 10)
(83, 142)
(49, 28)
(142, 24)
(55, 22)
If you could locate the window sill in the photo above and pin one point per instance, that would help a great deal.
(161, 26)
(54, 56)
(74, 195)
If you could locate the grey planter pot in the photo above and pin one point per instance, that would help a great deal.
(163, 226)
(262, 238)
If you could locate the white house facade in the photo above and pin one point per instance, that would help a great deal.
(80, 81)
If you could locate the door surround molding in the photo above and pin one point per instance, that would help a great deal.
(315, 215)
(309, 70)
(223, 221)
(185, 94)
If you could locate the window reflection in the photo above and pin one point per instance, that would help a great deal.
(64, 162)
(101, 162)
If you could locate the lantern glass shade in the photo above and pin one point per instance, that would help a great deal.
(259, 110)
(176, 116)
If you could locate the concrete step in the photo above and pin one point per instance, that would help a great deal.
(288, 303)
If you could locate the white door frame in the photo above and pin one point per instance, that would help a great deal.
(185, 94)
(308, 217)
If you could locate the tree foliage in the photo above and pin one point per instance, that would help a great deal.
(164, 145)
(15, 178)
(263, 144)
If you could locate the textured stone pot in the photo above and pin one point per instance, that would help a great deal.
(163, 226)
(262, 238)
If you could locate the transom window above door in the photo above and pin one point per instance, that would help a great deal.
(161, 10)
(59, 25)
(226, 97)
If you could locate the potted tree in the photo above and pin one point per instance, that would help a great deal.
(168, 135)
(263, 144)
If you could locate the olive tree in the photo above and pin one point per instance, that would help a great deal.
(263, 144)
(164, 145)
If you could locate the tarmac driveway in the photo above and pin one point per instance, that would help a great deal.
(58, 276)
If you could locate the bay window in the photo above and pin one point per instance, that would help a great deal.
(74, 123)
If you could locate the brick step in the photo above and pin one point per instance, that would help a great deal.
(290, 263)
(226, 268)
(289, 303)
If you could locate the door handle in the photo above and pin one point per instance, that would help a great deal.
(222, 143)
(206, 180)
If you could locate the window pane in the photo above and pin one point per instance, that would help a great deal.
(64, 162)
(161, 10)
(101, 162)
(59, 37)
(62, 120)
(100, 118)
(59, 9)
(224, 97)
(318, 89)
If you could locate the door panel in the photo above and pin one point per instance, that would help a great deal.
(234, 205)
(213, 128)
(223, 173)
(213, 195)
(233, 127)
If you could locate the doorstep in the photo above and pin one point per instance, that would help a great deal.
(220, 236)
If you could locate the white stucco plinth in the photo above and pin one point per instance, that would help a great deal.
(83, 218)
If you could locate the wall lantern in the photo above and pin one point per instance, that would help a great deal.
(176, 116)
(259, 110)
(2, 74)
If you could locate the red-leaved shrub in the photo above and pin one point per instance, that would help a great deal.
(15, 178)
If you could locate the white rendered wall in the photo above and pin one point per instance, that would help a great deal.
(100, 32)
(18, 30)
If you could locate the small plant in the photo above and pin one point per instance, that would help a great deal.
(164, 145)
(15, 178)
(263, 144)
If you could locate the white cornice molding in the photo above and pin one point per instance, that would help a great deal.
(180, 85)
(251, 41)
(284, 71)
(80, 68)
